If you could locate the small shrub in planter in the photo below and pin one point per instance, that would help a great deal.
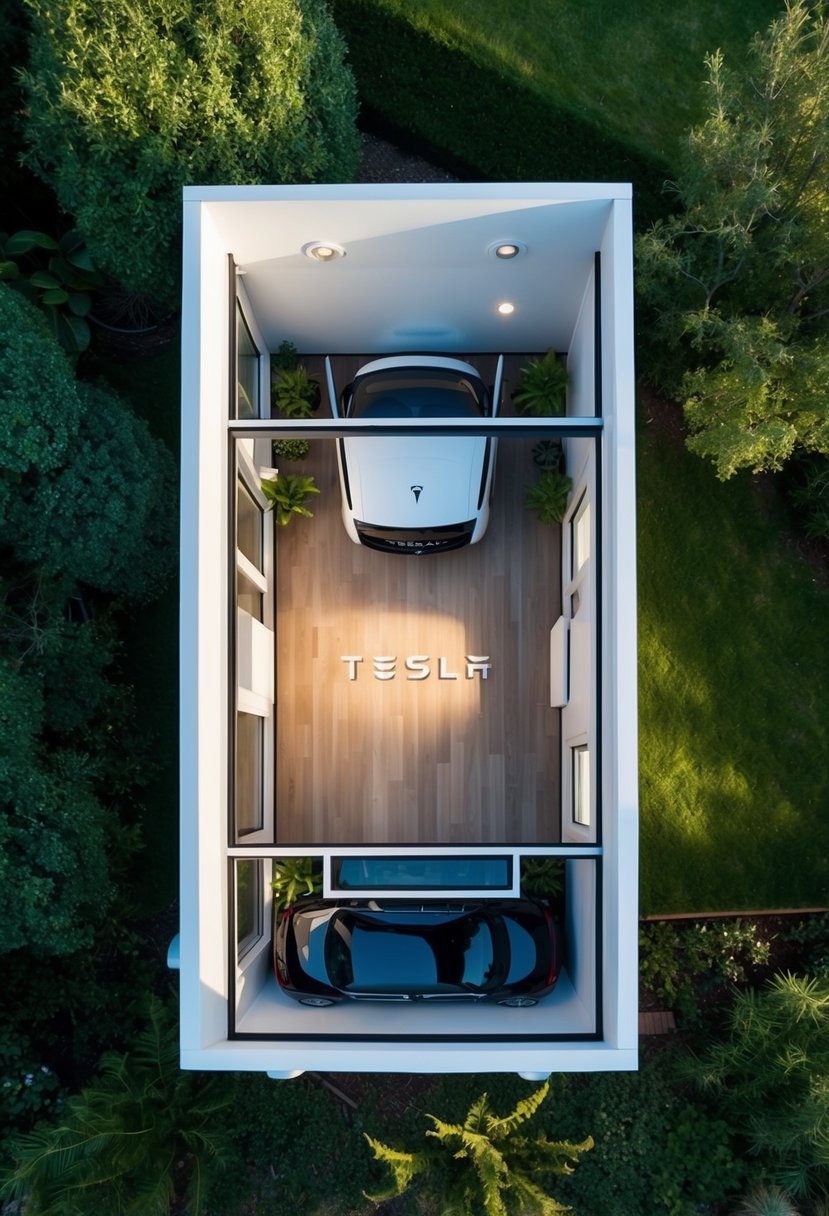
(548, 455)
(290, 449)
(548, 496)
(294, 877)
(542, 877)
(286, 357)
(542, 389)
(286, 493)
(295, 393)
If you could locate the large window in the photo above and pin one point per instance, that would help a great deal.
(249, 905)
(250, 773)
(252, 786)
(247, 370)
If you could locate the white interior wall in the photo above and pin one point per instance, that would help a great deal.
(580, 929)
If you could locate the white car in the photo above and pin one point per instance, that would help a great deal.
(404, 494)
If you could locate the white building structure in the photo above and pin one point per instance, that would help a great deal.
(414, 269)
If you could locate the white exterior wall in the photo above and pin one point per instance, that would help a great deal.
(204, 635)
(620, 786)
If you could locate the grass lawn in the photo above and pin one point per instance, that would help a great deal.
(734, 692)
(636, 68)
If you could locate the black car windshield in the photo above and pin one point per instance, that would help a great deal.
(438, 953)
(417, 392)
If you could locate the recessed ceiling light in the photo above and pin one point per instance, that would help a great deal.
(323, 251)
(506, 250)
(505, 309)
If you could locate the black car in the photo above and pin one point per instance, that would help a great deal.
(504, 950)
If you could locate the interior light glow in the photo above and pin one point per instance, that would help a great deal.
(506, 250)
(506, 309)
(323, 251)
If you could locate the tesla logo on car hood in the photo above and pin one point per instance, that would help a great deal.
(417, 491)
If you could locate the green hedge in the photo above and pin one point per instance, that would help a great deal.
(478, 123)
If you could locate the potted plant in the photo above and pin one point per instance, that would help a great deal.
(294, 877)
(296, 394)
(286, 494)
(548, 496)
(290, 449)
(548, 455)
(286, 357)
(542, 387)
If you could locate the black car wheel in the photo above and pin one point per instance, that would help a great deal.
(519, 1002)
(318, 1002)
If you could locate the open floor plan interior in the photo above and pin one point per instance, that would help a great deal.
(454, 726)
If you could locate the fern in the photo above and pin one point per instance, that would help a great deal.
(479, 1166)
(118, 1141)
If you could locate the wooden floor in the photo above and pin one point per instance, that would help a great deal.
(400, 761)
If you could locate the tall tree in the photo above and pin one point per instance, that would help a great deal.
(480, 1165)
(735, 285)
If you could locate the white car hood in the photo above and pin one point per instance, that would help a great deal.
(385, 475)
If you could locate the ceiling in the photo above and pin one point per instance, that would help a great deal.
(417, 272)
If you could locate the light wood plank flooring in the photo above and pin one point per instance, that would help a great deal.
(432, 761)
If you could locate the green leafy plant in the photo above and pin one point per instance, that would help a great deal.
(286, 357)
(287, 493)
(542, 388)
(294, 877)
(295, 393)
(57, 275)
(548, 455)
(120, 1140)
(657, 1152)
(542, 877)
(678, 964)
(479, 1166)
(768, 1076)
(548, 496)
(245, 91)
(767, 1201)
(290, 449)
(734, 287)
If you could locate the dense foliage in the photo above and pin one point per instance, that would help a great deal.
(129, 103)
(770, 1078)
(658, 1148)
(736, 284)
(110, 516)
(289, 1144)
(120, 1140)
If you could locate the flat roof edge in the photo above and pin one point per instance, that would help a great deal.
(253, 1056)
(564, 192)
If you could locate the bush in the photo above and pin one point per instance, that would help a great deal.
(292, 1151)
(681, 964)
(770, 1078)
(109, 517)
(127, 104)
(40, 410)
(54, 880)
(656, 1151)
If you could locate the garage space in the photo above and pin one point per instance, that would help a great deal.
(412, 694)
